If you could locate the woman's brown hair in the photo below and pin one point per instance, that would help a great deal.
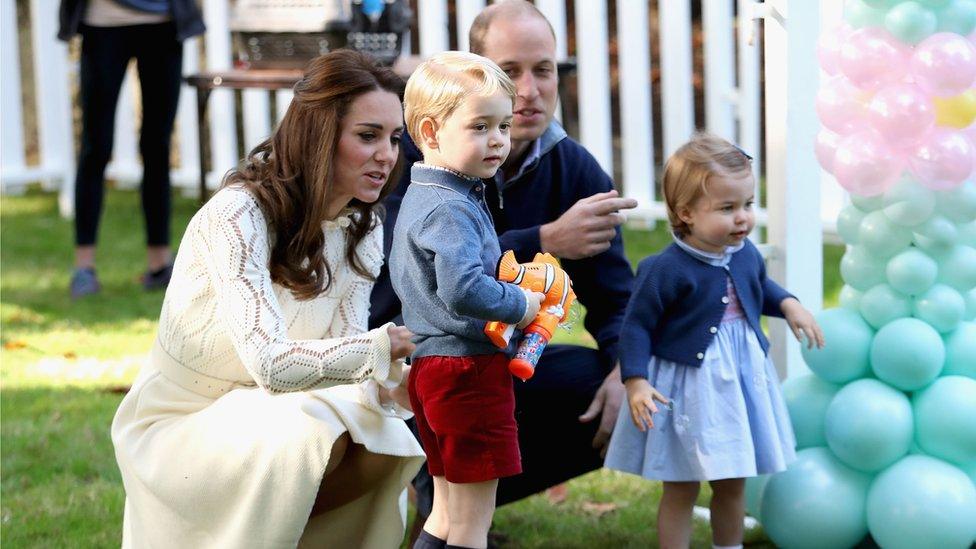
(291, 173)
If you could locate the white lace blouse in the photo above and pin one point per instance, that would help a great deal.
(223, 317)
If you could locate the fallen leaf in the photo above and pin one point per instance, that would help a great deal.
(14, 345)
(599, 509)
(557, 494)
(70, 355)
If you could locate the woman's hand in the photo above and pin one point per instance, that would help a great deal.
(400, 344)
(802, 323)
(399, 393)
(533, 300)
(641, 397)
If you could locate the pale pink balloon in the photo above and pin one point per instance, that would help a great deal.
(828, 47)
(871, 58)
(944, 64)
(841, 106)
(865, 165)
(902, 114)
(943, 160)
(825, 148)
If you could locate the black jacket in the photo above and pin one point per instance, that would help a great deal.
(185, 13)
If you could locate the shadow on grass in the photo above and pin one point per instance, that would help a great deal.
(60, 483)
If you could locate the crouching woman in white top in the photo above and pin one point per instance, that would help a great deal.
(268, 416)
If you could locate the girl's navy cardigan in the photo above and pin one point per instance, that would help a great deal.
(678, 302)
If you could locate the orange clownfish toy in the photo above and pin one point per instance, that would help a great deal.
(542, 275)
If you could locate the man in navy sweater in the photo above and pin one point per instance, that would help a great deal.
(549, 196)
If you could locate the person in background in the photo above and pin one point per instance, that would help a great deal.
(112, 33)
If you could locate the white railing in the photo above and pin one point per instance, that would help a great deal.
(797, 194)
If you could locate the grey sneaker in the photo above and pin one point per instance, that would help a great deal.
(157, 280)
(84, 282)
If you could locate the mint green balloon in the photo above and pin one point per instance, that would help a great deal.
(859, 15)
(850, 298)
(817, 502)
(849, 223)
(961, 351)
(935, 235)
(945, 419)
(967, 234)
(882, 304)
(907, 203)
(957, 268)
(970, 298)
(846, 354)
(970, 470)
(907, 354)
(941, 307)
(881, 4)
(861, 269)
(911, 272)
(869, 425)
(807, 397)
(910, 22)
(958, 17)
(922, 502)
(882, 237)
(958, 204)
(754, 493)
(868, 203)
(934, 4)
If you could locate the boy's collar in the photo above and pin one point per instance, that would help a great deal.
(437, 175)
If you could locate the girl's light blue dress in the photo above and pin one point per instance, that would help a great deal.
(728, 419)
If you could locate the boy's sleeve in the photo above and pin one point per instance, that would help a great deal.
(642, 315)
(452, 235)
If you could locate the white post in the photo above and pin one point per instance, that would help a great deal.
(677, 94)
(223, 128)
(720, 93)
(53, 99)
(635, 102)
(467, 10)
(257, 117)
(594, 81)
(12, 144)
(793, 177)
(188, 175)
(750, 114)
(282, 100)
(432, 26)
(555, 12)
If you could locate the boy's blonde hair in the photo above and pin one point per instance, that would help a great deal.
(439, 85)
(689, 168)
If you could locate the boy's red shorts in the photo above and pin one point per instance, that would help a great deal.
(465, 412)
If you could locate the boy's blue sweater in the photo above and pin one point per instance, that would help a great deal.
(678, 303)
(563, 174)
(443, 264)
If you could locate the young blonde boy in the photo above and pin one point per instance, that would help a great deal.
(458, 109)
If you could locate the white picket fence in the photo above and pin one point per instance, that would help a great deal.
(799, 203)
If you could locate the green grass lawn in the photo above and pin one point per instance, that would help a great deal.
(64, 367)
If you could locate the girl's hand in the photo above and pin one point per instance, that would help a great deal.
(802, 323)
(400, 344)
(641, 397)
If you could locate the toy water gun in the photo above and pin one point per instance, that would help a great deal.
(542, 275)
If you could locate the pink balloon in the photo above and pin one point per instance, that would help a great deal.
(828, 47)
(902, 113)
(825, 148)
(944, 64)
(840, 105)
(943, 160)
(865, 165)
(872, 58)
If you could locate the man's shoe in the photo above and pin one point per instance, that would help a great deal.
(84, 282)
(157, 280)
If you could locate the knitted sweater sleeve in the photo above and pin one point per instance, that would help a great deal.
(647, 304)
(239, 252)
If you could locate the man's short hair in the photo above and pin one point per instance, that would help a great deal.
(506, 8)
(439, 85)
